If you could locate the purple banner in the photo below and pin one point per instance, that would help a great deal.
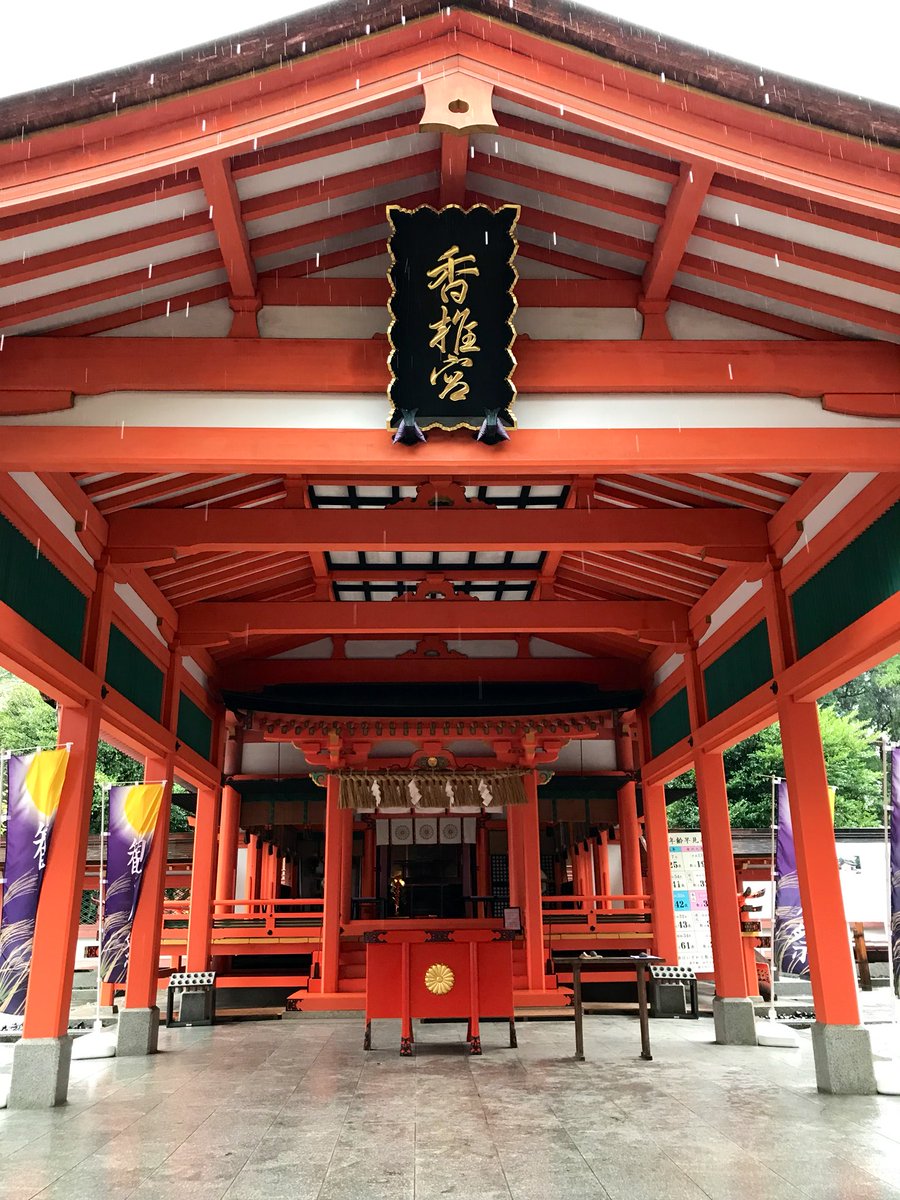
(789, 939)
(133, 809)
(35, 785)
(895, 864)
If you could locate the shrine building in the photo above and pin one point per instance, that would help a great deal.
(425, 433)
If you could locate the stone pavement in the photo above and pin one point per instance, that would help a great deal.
(295, 1110)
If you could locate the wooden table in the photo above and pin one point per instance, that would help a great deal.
(640, 963)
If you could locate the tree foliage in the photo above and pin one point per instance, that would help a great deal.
(852, 763)
(28, 720)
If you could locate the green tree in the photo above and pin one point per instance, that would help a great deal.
(28, 720)
(851, 761)
(875, 697)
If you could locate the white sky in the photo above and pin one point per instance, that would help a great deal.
(846, 44)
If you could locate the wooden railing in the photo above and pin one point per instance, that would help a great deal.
(249, 919)
(596, 912)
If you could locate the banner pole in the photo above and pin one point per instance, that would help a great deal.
(888, 804)
(101, 900)
(772, 965)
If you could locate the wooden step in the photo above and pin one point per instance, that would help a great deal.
(352, 985)
(526, 998)
(332, 1002)
(352, 971)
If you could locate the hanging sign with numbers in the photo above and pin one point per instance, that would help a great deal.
(691, 906)
(451, 332)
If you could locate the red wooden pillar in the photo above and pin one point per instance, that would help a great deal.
(656, 825)
(514, 856)
(629, 830)
(601, 865)
(830, 958)
(139, 1018)
(229, 822)
(482, 858)
(331, 918)
(40, 1074)
(347, 816)
(203, 875)
(532, 910)
(252, 882)
(841, 1046)
(268, 870)
(367, 886)
(56, 928)
(718, 855)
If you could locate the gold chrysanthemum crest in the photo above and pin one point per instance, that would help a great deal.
(439, 979)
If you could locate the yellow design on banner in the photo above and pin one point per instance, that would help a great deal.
(439, 979)
(142, 805)
(45, 778)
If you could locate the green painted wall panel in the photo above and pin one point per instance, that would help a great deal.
(737, 672)
(38, 591)
(863, 575)
(131, 672)
(670, 723)
(194, 726)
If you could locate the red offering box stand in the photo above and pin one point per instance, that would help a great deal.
(461, 973)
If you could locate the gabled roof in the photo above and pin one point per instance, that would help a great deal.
(329, 25)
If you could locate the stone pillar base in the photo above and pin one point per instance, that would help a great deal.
(843, 1057)
(735, 1020)
(138, 1032)
(40, 1072)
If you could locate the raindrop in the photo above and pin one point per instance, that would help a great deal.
(471, 152)
(238, 48)
(496, 147)
(761, 81)
(766, 98)
(368, 30)
(690, 176)
(255, 140)
(37, 549)
(730, 372)
(403, 18)
(203, 125)
(2, 340)
(554, 237)
(357, 85)
(152, 77)
(737, 218)
(114, 97)
(168, 307)
(317, 259)
(210, 212)
(303, 48)
(777, 263)
(187, 308)
(662, 77)
(150, 271)
(122, 431)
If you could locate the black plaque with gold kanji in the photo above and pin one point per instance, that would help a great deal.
(451, 333)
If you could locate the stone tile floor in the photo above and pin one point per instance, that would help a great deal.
(295, 1110)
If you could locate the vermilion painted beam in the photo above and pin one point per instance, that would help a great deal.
(88, 367)
(363, 454)
(215, 622)
(682, 212)
(258, 673)
(174, 531)
(277, 289)
(225, 212)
